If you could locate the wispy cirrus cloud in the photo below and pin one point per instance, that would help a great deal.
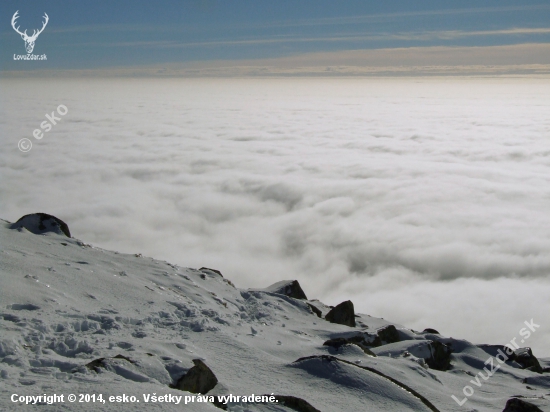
(455, 34)
(339, 37)
(377, 17)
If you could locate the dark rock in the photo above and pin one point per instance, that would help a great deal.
(39, 223)
(388, 334)
(315, 310)
(358, 340)
(95, 364)
(126, 358)
(98, 363)
(343, 314)
(441, 356)
(430, 330)
(290, 288)
(211, 270)
(295, 403)
(198, 379)
(336, 343)
(365, 340)
(522, 356)
(519, 405)
(525, 357)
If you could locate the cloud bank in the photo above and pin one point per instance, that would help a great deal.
(528, 60)
(425, 201)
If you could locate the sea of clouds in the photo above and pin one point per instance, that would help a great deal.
(424, 201)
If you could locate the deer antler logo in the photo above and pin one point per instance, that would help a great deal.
(29, 40)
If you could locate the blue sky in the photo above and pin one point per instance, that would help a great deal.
(104, 34)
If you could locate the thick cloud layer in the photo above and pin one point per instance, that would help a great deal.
(426, 201)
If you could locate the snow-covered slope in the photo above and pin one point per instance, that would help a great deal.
(75, 319)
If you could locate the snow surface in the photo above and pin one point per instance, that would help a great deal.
(65, 303)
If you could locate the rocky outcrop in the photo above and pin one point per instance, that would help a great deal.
(39, 223)
(337, 343)
(522, 356)
(358, 340)
(199, 379)
(343, 314)
(388, 334)
(430, 330)
(206, 270)
(290, 288)
(100, 362)
(315, 310)
(365, 340)
(519, 405)
(440, 356)
(525, 357)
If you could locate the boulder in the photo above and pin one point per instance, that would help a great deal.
(388, 334)
(358, 340)
(315, 310)
(206, 270)
(198, 379)
(99, 363)
(430, 330)
(343, 314)
(336, 343)
(440, 356)
(525, 357)
(39, 223)
(385, 335)
(519, 405)
(290, 288)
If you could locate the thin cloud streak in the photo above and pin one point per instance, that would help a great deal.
(350, 37)
(376, 17)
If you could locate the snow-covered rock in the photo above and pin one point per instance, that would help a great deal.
(199, 379)
(39, 223)
(290, 288)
